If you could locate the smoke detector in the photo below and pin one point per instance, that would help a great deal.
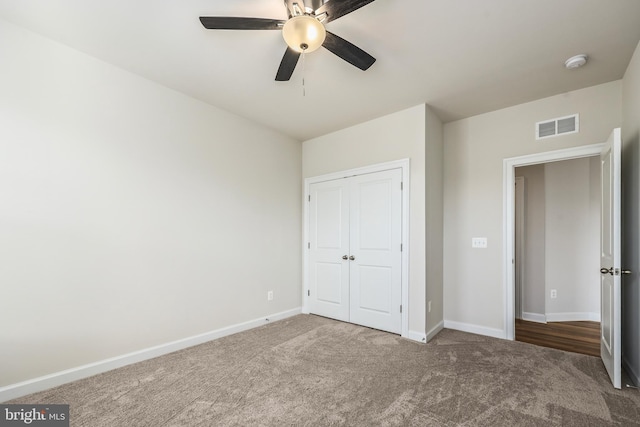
(575, 61)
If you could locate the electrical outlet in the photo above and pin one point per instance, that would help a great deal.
(429, 307)
(554, 293)
(479, 242)
(270, 296)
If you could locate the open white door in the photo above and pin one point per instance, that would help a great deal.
(610, 256)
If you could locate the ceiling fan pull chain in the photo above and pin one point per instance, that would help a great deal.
(304, 92)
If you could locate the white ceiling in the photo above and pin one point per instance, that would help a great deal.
(462, 57)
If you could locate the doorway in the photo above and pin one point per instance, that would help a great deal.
(510, 166)
(610, 242)
(557, 240)
(557, 216)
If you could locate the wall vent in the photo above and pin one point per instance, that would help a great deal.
(557, 127)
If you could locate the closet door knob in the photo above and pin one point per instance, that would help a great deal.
(352, 257)
(345, 257)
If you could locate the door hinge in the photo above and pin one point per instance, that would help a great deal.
(309, 245)
(400, 308)
(309, 197)
(400, 247)
(308, 293)
(401, 185)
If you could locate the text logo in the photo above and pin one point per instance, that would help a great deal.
(34, 415)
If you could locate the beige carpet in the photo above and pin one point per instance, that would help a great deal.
(308, 370)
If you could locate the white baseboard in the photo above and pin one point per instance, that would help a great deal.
(534, 317)
(14, 391)
(417, 336)
(633, 375)
(434, 331)
(573, 317)
(475, 329)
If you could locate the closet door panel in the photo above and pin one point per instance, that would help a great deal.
(375, 238)
(329, 241)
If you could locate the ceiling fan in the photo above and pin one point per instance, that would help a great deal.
(303, 32)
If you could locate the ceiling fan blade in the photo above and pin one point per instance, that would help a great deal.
(235, 23)
(337, 8)
(347, 51)
(287, 65)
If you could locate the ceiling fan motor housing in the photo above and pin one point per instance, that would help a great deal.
(314, 5)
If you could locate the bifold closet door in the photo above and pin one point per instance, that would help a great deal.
(355, 231)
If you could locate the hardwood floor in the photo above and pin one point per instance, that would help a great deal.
(578, 337)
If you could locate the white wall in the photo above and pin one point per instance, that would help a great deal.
(131, 215)
(572, 239)
(631, 217)
(474, 150)
(534, 241)
(392, 137)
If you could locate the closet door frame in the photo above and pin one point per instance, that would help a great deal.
(402, 164)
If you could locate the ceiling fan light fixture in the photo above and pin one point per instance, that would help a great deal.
(303, 33)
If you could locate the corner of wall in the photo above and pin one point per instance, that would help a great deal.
(434, 173)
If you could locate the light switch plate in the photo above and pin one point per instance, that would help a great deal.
(479, 242)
